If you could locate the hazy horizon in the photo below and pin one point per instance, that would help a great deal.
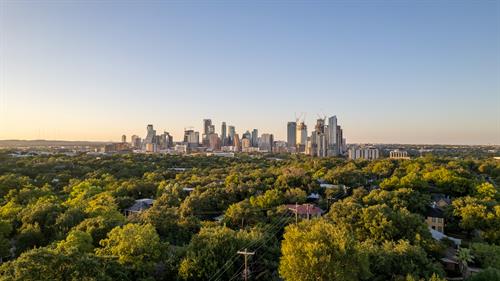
(420, 72)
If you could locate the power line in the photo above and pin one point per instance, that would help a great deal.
(228, 263)
(245, 254)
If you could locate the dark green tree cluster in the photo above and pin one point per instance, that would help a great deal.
(63, 217)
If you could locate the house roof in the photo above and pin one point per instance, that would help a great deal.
(436, 197)
(438, 236)
(140, 205)
(434, 212)
(313, 196)
(305, 209)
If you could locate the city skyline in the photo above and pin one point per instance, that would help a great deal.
(396, 72)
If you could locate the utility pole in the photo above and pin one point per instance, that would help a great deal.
(246, 254)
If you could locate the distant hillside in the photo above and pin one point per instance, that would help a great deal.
(46, 143)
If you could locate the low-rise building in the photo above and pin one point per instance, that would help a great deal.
(398, 154)
(434, 218)
(305, 211)
(139, 206)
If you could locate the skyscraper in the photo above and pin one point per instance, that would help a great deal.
(192, 138)
(136, 141)
(301, 137)
(291, 134)
(223, 134)
(150, 136)
(266, 142)
(207, 123)
(214, 142)
(232, 132)
(236, 142)
(332, 136)
(255, 138)
(246, 135)
(318, 143)
(124, 138)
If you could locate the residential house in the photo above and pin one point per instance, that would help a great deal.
(434, 218)
(139, 206)
(305, 211)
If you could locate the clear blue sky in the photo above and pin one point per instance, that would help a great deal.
(392, 71)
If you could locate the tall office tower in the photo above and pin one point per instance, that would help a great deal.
(320, 126)
(124, 138)
(318, 140)
(165, 141)
(232, 132)
(339, 140)
(213, 142)
(211, 129)
(207, 123)
(245, 144)
(266, 142)
(150, 137)
(301, 137)
(247, 135)
(135, 141)
(223, 137)
(255, 138)
(236, 142)
(291, 134)
(332, 136)
(191, 138)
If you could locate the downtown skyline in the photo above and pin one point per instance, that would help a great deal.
(396, 72)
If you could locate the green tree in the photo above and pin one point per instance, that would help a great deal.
(464, 257)
(137, 246)
(76, 242)
(487, 255)
(318, 250)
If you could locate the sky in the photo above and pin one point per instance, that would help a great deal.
(391, 71)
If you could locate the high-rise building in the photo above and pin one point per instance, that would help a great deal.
(211, 129)
(135, 142)
(245, 143)
(213, 142)
(266, 142)
(207, 124)
(191, 138)
(165, 141)
(231, 133)
(246, 135)
(291, 134)
(150, 136)
(301, 137)
(339, 140)
(255, 138)
(223, 133)
(124, 138)
(332, 136)
(236, 142)
(318, 140)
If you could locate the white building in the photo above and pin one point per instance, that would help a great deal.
(398, 154)
(367, 153)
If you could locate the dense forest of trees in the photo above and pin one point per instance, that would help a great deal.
(62, 218)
